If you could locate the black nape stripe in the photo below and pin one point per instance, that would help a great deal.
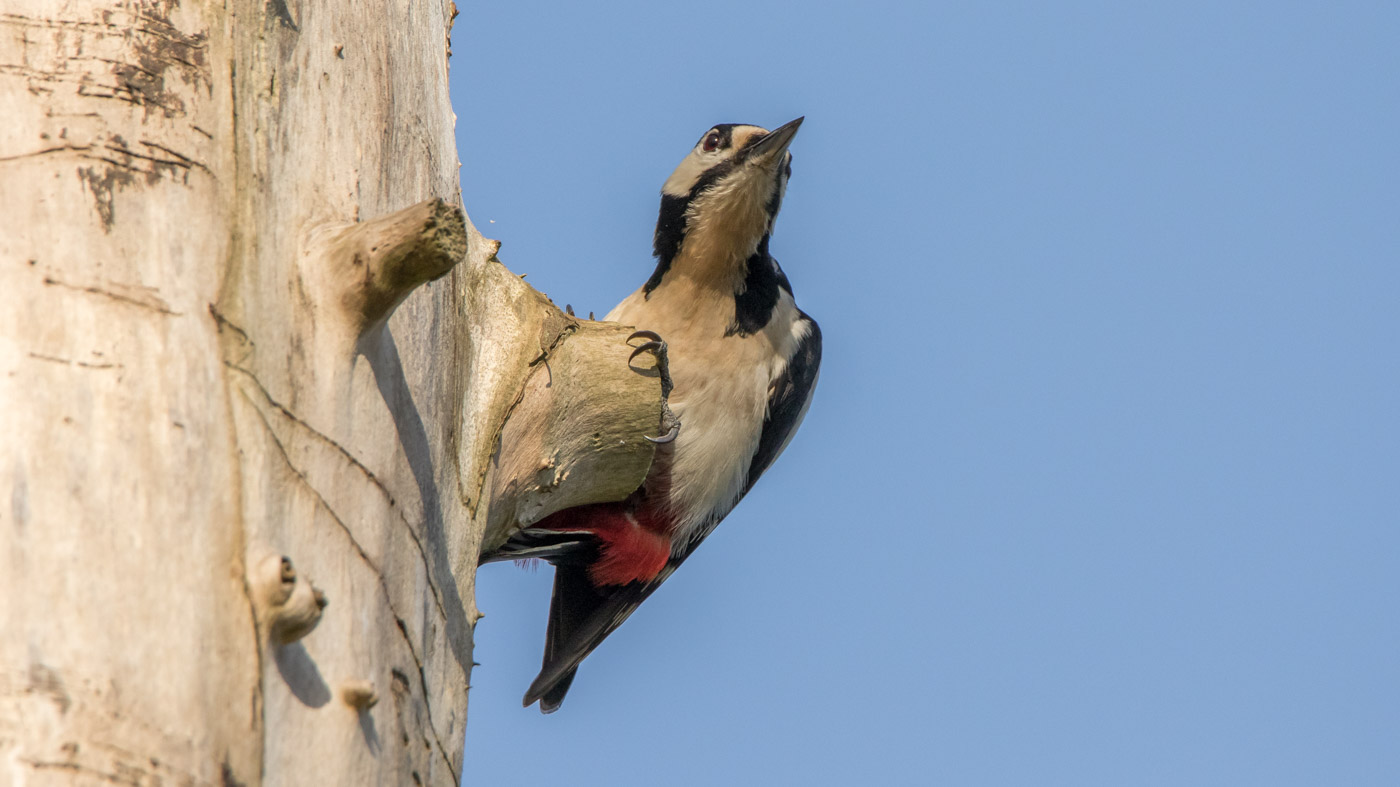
(670, 231)
(753, 307)
(671, 223)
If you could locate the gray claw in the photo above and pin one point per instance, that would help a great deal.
(644, 335)
(658, 346)
(670, 435)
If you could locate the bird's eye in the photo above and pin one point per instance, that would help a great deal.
(711, 142)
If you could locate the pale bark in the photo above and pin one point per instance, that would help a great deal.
(226, 400)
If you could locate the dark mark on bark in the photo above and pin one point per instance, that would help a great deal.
(227, 778)
(124, 166)
(277, 9)
(102, 184)
(43, 680)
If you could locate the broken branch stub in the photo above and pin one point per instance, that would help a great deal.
(371, 266)
(288, 606)
(578, 433)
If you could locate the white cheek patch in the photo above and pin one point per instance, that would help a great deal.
(685, 176)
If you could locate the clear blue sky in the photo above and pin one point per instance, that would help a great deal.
(1101, 485)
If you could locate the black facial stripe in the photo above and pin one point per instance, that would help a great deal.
(710, 177)
(775, 201)
(753, 307)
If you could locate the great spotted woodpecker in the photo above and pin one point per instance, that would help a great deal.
(743, 361)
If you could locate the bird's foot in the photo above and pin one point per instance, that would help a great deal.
(670, 423)
(655, 344)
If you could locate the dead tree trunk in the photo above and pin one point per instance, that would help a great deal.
(226, 401)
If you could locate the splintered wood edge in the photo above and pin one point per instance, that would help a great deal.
(578, 434)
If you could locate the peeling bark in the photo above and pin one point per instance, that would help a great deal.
(265, 393)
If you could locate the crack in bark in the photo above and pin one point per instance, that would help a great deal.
(423, 681)
(133, 779)
(91, 175)
(129, 94)
(145, 301)
(20, 20)
(357, 464)
(379, 575)
(189, 162)
(69, 362)
(131, 768)
(258, 713)
(46, 151)
(224, 321)
(105, 185)
(183, 162)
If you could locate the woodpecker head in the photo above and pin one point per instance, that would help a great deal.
(723, 199)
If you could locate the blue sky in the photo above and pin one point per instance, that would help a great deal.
(1101, 484)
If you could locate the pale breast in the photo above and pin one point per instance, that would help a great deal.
(721, 394)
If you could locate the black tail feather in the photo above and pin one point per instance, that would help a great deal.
(553, 698)
(580, 617)
(578, 546)
(573, 601)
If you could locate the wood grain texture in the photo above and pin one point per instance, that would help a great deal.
(243, 318)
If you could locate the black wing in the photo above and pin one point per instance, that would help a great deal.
(788, 398)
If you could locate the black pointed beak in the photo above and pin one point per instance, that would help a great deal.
(771, 147)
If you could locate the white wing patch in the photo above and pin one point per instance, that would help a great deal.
(801, 329)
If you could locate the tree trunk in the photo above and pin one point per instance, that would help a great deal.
(250, 461)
